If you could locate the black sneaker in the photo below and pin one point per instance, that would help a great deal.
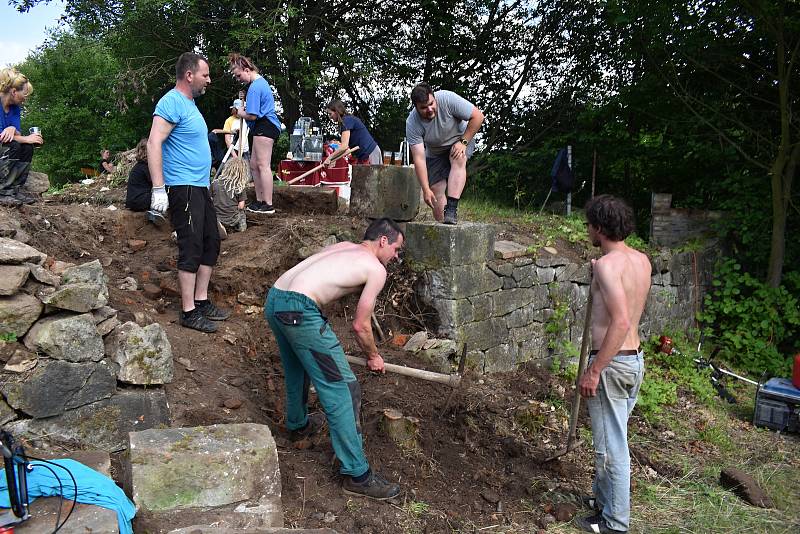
(197, 321)
(450, 215)
(209, 311)
(596, 524)
(260, 207)
(375, 487)
(316, 422)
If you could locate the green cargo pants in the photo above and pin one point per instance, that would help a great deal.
(311, 352)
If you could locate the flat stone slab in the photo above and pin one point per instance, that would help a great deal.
(432, 245)
(226, 475)
(104, 424)
(14, 252)
(505, 250)
(55, 386)
(384, 191)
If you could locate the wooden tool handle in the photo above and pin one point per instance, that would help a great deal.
(321, 165)
(241, 136)
(584, 356)
(450, 380)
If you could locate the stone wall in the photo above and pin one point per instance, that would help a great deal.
(670, 227)
(508, 311)
(67, 359)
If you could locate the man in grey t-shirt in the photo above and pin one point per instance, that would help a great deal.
(441, 130)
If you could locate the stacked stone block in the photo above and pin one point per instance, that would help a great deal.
(66, 355)
(509, 311)
(671, 227)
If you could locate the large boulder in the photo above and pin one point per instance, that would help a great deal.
(55, 386)
(14, 252)
(384, 191)
(37, 182)
(83, 288)
(79, 297)
(225, 474)
(90, 272)
(12, 278)
(66, 336)
(431, 245)
(101, 425)
(143, 355)
(17, 313)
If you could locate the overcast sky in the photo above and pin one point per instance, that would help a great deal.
(21, 33)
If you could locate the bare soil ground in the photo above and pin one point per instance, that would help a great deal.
(476, 466)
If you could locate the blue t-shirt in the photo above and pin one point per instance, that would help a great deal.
(359, 136)
(186, 153)
(11, 118)
(261, 102)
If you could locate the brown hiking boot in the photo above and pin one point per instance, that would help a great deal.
(375, 487)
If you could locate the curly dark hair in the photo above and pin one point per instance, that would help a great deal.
(611, 216)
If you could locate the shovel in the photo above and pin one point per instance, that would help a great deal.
(572, 441)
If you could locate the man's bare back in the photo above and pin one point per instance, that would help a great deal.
(333, 272)
(621, 280)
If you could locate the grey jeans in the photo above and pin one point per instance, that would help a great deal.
(609, 409)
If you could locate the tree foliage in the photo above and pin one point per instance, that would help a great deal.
(694, 98)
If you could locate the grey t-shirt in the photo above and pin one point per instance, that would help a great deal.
(446, 128)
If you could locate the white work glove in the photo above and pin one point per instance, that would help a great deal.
(158, 200)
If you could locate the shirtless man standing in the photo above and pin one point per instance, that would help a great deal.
(621, 283)
(310, 351)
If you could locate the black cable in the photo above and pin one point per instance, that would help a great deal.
(74, 483)
(60, 496)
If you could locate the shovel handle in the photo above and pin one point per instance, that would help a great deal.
(450, 380)
(584, 357)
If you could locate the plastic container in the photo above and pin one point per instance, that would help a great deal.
(796, 371)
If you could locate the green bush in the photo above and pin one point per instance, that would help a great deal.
(756, 326)
(667, 374)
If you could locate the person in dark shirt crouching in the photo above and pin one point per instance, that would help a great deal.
(137, 198)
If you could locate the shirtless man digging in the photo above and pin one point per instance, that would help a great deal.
(621, 283)
(311, 352)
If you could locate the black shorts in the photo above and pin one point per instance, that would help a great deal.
(439, 166)
(263, 127)
(191, 211)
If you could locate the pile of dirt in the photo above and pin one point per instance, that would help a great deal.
(477, 459)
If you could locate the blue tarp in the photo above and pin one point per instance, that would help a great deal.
(93, 488)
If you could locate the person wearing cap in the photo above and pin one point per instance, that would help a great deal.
(231, 128)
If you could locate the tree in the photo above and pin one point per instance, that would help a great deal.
(732, 66)
(73, 102)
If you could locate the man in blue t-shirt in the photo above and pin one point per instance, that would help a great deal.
(179, 160)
